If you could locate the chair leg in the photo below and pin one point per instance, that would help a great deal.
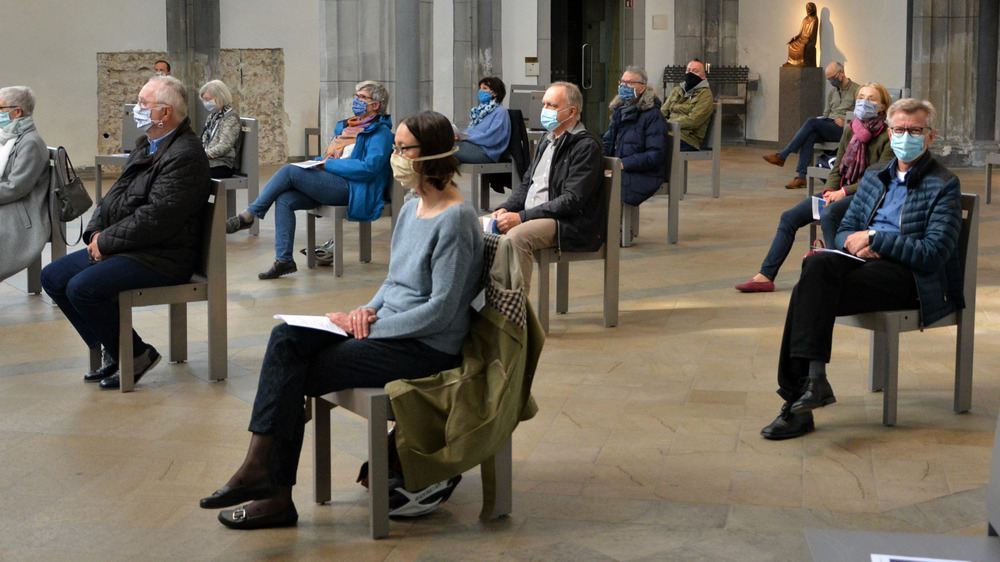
(497, 475)
(339, 216)
(310, 240)
(378, 467)
(673, 205)
(474, 180)
(218, 343)
(34, 276)
(126, 363)
(963, 360)
(562, 287)
(178, 332)
(884, 366)
(543, 293)
(716, 173)
(611, 286)
(630, 224)
(321, 450)
(989, 182)
(365, 242)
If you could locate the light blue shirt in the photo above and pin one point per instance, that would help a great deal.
(888, 215)
(155, 144)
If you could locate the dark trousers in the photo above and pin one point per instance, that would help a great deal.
(88, 294)
(814, 130)
(305, 362)
(221, 172)
(795, 218)
(831, 286)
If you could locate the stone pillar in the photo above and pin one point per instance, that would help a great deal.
(945, 54)
(800, 96)
(193, 48)
(384, 40)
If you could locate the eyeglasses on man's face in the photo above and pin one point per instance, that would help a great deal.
(914, 131)
(363, 97)
(630, 83)
(148, 104)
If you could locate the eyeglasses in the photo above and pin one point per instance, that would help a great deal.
(147, 104)
(397, 149)
(364, 98)
(630, 83)
(914, 131)
(8, 107)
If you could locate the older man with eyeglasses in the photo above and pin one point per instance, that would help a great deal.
(146, 232)
(901, 236)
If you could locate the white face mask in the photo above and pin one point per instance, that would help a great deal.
(142, 116)
(402, 167)
(210, 105)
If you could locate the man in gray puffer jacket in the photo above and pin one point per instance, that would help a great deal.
(146, 232)
(903, 227)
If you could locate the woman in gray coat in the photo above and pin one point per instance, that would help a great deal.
(24, 182)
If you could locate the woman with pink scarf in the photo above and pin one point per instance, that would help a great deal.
(865, 142)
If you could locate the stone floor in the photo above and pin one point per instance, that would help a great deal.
(646, 445)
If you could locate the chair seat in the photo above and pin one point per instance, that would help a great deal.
(480, 191)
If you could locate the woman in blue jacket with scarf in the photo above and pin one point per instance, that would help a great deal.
(637, 135)
(354, 171)
(488, 134)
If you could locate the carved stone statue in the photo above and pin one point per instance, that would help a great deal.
(802, 47)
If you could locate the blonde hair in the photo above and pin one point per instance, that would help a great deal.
(882, 93)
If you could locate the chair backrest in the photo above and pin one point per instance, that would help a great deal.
(518, 148)
(247, 148)
(612, 190)
(968, 247)
(895, 94)
(130, 133)
(714, 131)
(212, 261)
(57, 178)
(993, 491)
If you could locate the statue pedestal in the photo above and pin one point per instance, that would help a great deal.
(800, 96)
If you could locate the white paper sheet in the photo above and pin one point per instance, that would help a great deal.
(314, 322)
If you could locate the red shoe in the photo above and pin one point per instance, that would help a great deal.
(752, 286)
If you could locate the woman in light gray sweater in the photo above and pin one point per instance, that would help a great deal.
(413, 327)
(222, 128)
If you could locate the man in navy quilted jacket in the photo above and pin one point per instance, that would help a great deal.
(901, 233)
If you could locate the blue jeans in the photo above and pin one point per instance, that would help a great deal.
(814, 130)
(795, 218)
(292, 189)
(472, 153)
(88, 295)
(304, 362)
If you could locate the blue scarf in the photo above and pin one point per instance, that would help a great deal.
(480, 112)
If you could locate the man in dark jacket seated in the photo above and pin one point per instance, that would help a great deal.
(558, 203)
(903, 225)
(146, 232)
(638, 135)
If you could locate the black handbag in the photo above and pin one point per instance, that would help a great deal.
(73, 197)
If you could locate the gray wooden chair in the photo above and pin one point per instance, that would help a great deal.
(609, 253)
(207, 284)
(481, 191)
(991, 160)
(339, 216)
(57, 233)
(883, 362)
(814, 173)
(246, 175)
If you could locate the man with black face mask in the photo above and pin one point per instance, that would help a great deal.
(690, 104)
(827, 128)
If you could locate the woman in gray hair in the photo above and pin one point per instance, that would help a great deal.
(222, 128)
(24, 182)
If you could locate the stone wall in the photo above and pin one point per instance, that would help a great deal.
(254, 76)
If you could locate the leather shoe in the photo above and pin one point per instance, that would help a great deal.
(238, 519)
(280, 267)
(788, 425)
(752, 286)
(238, 223)
(142, 364)
(227, 496)
(775, 159)
(108, 367)
(797, 183)
(818, 393)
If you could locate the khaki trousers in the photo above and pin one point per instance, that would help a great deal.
(530, 236)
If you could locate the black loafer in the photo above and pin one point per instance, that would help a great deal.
(788, 425)
(226, 496)
(141, 365)
(237, 519)
(108, 367)
(237, 223)
(280, 267)
(818, 393)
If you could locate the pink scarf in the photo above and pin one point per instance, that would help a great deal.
(855, 160)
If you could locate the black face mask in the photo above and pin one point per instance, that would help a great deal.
(691, 80)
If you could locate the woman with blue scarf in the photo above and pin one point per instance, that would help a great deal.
(488, 134)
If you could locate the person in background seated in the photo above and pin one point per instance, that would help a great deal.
(412, 328)
(558, 203)
(24, 182)
(690, 105)
(828, 128)
(222, 128)
(145, 232)
(865, 142)
(488, 134)
(638, 136)
(904, 224)
(353, 171)
(161, 68)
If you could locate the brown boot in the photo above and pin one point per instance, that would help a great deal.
(797, 183)
(775, 159)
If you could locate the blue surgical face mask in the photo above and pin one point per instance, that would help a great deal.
(359, 107)
(865, 110)
(907, 147)
(4, 119)
(143, 117)
(485, 96)
(626, 93)
(550, 119)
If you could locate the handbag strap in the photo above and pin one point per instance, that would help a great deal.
(70, 171)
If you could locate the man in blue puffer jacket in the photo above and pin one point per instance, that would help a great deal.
(904, 223)
(638, 135)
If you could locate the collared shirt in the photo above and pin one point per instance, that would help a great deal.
(887, 217)
(538, 191)
(155, 144)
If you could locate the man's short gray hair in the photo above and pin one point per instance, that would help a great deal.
(21, 96)
(573, 95)
(910, 106)
(640, 71)
(219, 91)
(171, 91)
(377, 92)
(839, 66)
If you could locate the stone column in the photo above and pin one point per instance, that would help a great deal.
(384, 40)
(193, 48)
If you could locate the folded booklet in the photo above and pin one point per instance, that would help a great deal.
(314, 322)
(817, 204)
